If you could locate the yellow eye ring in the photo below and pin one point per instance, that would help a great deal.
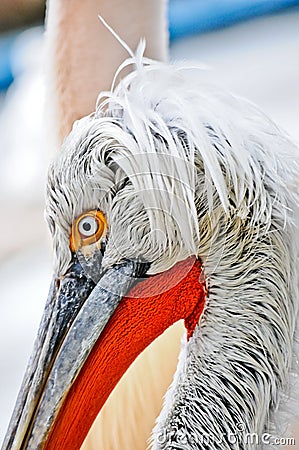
(88, 229)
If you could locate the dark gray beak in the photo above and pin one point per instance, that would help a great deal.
(76, 312)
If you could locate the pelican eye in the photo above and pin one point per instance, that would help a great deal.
(89, 228)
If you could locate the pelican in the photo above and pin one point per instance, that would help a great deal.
(173, 200)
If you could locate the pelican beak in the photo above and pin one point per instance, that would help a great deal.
(89, 335)
(75, 314)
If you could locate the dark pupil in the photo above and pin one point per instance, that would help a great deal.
(86, 226)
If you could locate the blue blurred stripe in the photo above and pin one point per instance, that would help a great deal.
(6, 76)
(196, 16)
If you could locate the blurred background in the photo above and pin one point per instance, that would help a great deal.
(252, 48)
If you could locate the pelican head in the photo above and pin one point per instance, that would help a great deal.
(172, 198)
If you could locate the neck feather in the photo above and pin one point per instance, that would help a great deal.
(233, 373)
